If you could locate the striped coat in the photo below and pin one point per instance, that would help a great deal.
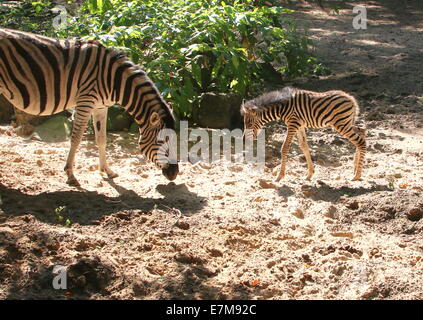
(301, 109)
(44, 76)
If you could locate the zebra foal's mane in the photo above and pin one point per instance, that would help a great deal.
(277, 96)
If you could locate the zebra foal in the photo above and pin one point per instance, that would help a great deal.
(301, 109)
(43, 76)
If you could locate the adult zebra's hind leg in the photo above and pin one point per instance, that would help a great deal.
(81, 116)
(100, 128)
(357, 137)
(302, 141)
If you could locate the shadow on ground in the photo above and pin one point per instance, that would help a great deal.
(85, 207)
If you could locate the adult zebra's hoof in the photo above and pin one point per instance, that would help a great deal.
(112, 175)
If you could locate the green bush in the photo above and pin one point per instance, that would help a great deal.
(189, 47)
(30, 16)
(193, 46)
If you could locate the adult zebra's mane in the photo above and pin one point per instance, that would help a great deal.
(122, 57)
(277, 96)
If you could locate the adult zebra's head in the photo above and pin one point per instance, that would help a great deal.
(252, 123)
(158, 141)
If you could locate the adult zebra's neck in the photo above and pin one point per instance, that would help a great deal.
(135, 92)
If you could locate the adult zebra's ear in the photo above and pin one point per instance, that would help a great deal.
(154, 119)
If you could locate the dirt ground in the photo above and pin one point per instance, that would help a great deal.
(225, 231)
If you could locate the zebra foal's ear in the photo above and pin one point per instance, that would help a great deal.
(251, 110)
(154, 119)
(248, 109)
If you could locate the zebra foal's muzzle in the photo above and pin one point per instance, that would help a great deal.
(249, 134)
(171, 171)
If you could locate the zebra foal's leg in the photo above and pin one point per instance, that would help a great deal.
(81, 116)
(100, 128)
(292, 130)
(357, 137)
(302, 141)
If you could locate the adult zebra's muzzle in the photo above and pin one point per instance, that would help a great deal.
(171, 171)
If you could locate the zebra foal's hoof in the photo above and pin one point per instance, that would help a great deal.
(73, 182)
(279, 177)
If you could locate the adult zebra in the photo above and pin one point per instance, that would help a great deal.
(301, 109)
(44, 76)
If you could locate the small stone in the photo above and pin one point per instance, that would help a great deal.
(182, 225)
(298, 213)
(236, 168)
(258, 199)
(345, 234)
(415, 214)
(215, 252)
(331, 212)
(271, 264)
(267, 185)
(353, 205)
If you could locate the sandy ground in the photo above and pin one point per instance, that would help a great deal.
(225, 231)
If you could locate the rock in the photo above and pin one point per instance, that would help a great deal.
(267, 185)
(55, 129)
(182, 225)
(353, 205)
(298, 213)
(6, 110)
(218, 111)
(345, 234)
(24, 119)
(236, 168)
(307, 191)
(134, 128)
(89, 275)
(215, 252)
(415, 214)
(118, 119)
(331, 212)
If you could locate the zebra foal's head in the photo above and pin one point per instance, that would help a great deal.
(158, 141)
(252, 124)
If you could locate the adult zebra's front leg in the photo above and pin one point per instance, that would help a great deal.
(81, 116)
(100, 129)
